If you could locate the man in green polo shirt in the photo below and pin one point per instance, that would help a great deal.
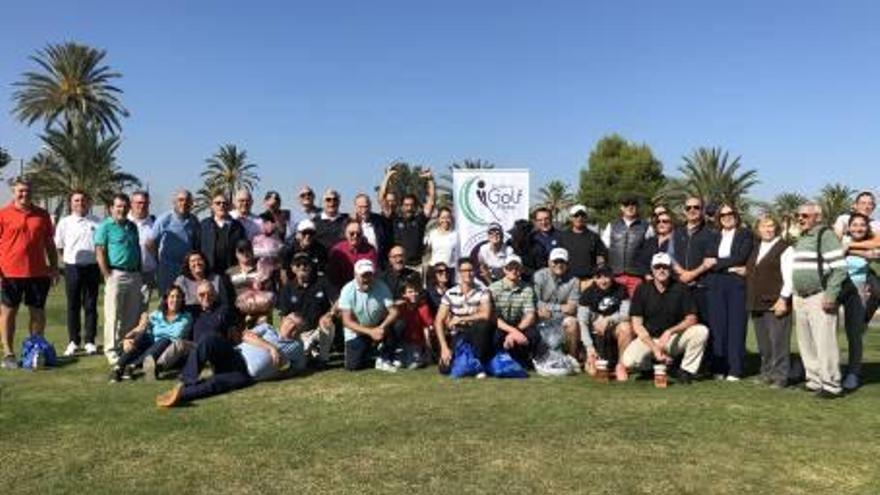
(119, 258)
(515, 310)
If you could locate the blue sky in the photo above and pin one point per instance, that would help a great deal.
(327, 92)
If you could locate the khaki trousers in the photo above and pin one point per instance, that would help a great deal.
(123, 305)
(817, 341)
(690, 344)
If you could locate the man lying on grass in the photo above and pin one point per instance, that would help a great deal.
(263, 354)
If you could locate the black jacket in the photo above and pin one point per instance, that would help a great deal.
(208, 236)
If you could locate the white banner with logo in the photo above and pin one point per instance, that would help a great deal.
(485, 196)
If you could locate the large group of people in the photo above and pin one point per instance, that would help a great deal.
(260, 296)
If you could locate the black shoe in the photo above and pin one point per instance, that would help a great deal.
(116, 374)
(684, 378)
(825, 394)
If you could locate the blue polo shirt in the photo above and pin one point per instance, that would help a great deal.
(120, 240)
(368, 307)
(175, 236)
(259, 360)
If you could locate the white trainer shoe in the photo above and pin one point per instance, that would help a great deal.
(383, 365)
(91, 349)
(71, 349)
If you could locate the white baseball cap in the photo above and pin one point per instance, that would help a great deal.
(305, 225)
(559, 254)
(574, 210)
(363, 266)
(513, 259)
(661, 258)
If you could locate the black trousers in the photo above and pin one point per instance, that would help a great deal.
(81, 283)
(523, 354)
(873, 302)
(361, 351)
(774, 339)
(854, 323)
(230, 369)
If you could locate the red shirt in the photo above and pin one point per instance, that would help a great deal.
(24, 237)
(416, 317)
(341, 260)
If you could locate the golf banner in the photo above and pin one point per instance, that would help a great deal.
(484, 196)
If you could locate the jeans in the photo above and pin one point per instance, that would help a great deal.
(144, 345)
(230, 369)
(81, 283)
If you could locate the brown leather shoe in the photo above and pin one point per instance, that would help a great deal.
(170, 398)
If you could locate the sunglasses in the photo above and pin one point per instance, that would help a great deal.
(661, 267)
(692, 207)
(203, 294)
(331, 200)
(494, 232)
(725, 214)
(307, 232)
(307, 195)
(220, 203)
(559, 262)
(580, 214)
(441, 271)
(663, 221)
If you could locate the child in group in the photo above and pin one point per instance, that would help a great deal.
(145, 343)
(417, 326)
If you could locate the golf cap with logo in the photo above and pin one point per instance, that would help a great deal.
(513, 259)
(574, 210)
(559, 254)
(301, 256)
(304, 225)
(495, 227)
(363, 266)
(661, 259)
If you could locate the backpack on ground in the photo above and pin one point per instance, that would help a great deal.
(37, 353)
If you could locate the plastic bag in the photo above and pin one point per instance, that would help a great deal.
(552, 334)
(554, 363)
(504, 366)
(464, 362)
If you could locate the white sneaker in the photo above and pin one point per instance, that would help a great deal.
(573, 362)
(91, 349)
(71, 349)
(732, 378)
(480, 375)
(718, 377)
(383, 365)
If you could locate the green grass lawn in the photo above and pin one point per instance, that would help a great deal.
(68, 431)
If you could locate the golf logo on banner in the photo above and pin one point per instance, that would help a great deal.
(482, 197)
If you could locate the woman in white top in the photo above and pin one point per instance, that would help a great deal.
(442, 240)
(769, 289)
(493, 255)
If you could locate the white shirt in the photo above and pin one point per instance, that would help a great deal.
(369, 234)
(726, 243)
(145, 233)
(75, 237)
(765, 248)
(492, 259)
(251, 223)
(443, 245)
(786, 262)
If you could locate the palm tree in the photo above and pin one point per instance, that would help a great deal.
(784, 208)
(228, 171)
(709, 174)
(556, 196)
(82, 161)
(444, 182)
(72, 88)
(835, 200)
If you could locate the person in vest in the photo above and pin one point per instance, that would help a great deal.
(625, 238)
(727, 295)
(816, 285)
(767, 295)
(693, 256)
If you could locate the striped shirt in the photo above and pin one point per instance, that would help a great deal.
(805, 269)
(512, 300)
(461, 304)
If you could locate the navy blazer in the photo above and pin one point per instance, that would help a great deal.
(740, 250)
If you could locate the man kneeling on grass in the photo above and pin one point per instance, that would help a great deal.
(263, 354)
(664, 318)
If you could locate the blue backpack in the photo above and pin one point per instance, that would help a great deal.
(504, 366)
(36, 350)
(464, 362)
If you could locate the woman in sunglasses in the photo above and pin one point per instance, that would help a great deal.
(663, 240)
(727, 295)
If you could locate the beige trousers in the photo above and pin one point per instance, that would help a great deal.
(689, 344)
(817, 341)
(123, 305)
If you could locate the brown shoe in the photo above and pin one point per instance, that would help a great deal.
(170, 398)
